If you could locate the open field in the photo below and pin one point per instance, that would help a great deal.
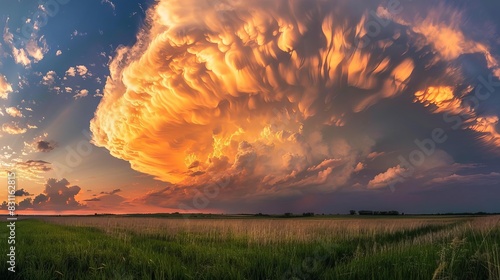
(114, 247)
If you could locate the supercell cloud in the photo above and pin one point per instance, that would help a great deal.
(277, 94)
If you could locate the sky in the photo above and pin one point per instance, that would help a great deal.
(229, 106)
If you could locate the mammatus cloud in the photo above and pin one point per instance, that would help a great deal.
(264, 91)
(5, 87)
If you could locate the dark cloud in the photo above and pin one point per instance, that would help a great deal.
(58, 195)
(106, 200)
(111, 192)
(22, 192)
(32, 169)
(35, 165)
(45, 146)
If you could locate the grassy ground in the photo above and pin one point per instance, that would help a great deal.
(149, 248)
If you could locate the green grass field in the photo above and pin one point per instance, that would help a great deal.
(264, 248)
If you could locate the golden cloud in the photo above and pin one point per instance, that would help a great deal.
(248, 88)
(5, 87)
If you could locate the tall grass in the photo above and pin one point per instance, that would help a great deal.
(351, 248)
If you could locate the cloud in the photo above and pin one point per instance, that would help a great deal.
(71, 72)
(374, 155)
(275, 95)
(387, 178)
(37, 49)
(82, 70)
(13, 128)
(13, 112)
(49, 78)
(491, 178)
(360, 166)
(5, 87)
(44, 146)
(32, 51)
(58, 52)
(34, 165)
(81, 93)
(227, 94)
(111, 4)
(98, 93)
(57, 195)
(112, 192)
(33, 170)
(106, 200)
(22, 192)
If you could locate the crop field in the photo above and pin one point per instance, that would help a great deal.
(344, 247)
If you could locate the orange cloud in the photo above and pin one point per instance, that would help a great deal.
(13, 128)
(386, 178)
(200, 89)
(250, 89)
(13, 112)
(5, 87)
(442, 28)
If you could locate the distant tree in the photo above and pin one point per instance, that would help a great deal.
(352, 212)
(288, 214)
